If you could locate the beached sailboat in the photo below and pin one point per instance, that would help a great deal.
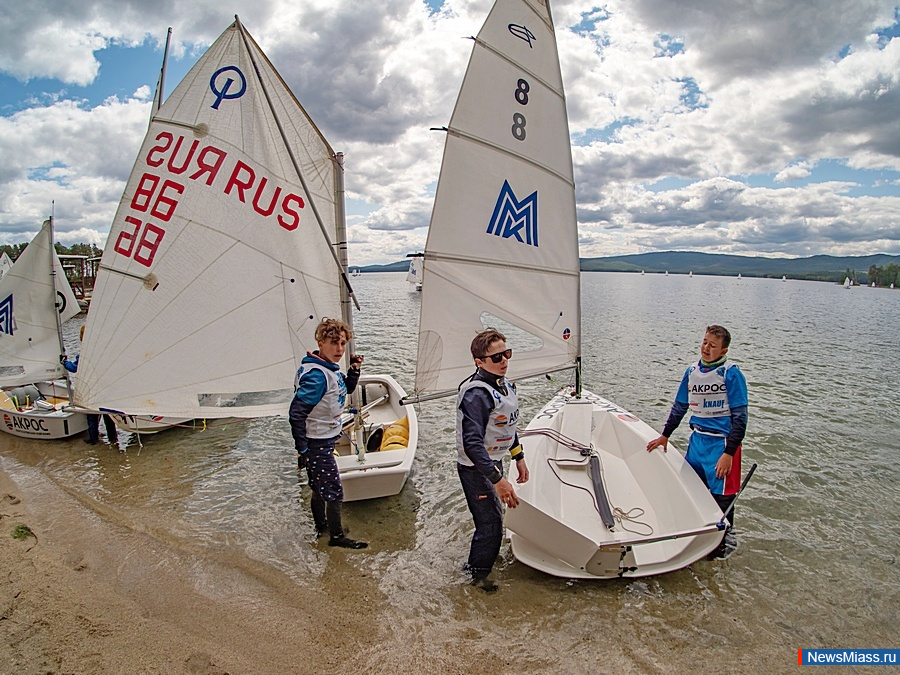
(597, 505)
(232, 174)
(35, 299)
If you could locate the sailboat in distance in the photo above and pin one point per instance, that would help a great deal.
(232, 175)
(502, 252)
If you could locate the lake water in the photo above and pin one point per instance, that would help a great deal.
(819, 524)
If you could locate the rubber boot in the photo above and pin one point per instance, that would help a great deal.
(336, 530)
(317, 505)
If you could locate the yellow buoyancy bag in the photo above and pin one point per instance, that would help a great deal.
(396, 435)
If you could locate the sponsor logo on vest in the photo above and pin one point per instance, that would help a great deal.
(708, 389)
(714, 404)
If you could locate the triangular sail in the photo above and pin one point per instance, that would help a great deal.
(414, 273)
(502, 246)
(29, 302)
(216, 269)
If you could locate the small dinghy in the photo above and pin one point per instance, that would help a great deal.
(502, 251)
(229, 246)
(598, 505)
(35, 300)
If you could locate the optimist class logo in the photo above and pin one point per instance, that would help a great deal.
(222, 94)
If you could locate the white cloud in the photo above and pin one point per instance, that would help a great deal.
(704, 94)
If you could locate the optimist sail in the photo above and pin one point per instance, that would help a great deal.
(414, 273)
(219, 261)
(29, 304)
(502, 248)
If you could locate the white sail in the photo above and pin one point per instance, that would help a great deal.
(5, 264)
(847, 282)
(414, 273)
(29, 302)
(502, 247)
(216, 269)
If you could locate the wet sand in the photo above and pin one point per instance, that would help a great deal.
(89, 595)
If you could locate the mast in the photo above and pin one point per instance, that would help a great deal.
(340, 223)
(340, 226)
(159, 95)
(62, 346)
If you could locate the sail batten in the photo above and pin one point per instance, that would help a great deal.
(494, 146)
(530, 74)
(507, 265)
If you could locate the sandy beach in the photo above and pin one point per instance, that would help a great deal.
(88, 594)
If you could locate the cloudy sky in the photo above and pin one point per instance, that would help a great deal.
(756, 127)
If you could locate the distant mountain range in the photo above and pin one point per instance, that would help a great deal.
(817, 267)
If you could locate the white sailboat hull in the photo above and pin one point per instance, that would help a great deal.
(152, 424)
(671, 518)
(45, 418)
(382, 473)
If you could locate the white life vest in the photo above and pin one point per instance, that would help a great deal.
(502, 422)
(707, 395)
(324, 420)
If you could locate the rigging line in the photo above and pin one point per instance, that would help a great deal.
(620, 515)
(294, 161)
(499, 148)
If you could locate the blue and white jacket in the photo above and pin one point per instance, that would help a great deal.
(716, 395)
(319, 400)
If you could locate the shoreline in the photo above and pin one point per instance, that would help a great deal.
(86, 594)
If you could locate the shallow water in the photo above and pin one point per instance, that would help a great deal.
(818, 525)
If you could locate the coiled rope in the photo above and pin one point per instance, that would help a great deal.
(621, 516)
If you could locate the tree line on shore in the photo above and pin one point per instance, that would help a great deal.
(816, 268)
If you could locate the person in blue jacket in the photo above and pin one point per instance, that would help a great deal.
(315, 415)
(93, 421)
(487, 415)
(715, 393)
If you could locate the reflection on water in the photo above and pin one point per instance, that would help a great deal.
(817, 564)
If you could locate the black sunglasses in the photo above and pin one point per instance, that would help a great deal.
(498, 357)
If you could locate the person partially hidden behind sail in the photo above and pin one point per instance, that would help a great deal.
(716, 394)
(315, 414)
(487, 413)
(93, 421)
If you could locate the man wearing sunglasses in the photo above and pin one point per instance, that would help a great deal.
(487, 413)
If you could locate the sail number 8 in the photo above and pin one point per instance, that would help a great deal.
(521, 94)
